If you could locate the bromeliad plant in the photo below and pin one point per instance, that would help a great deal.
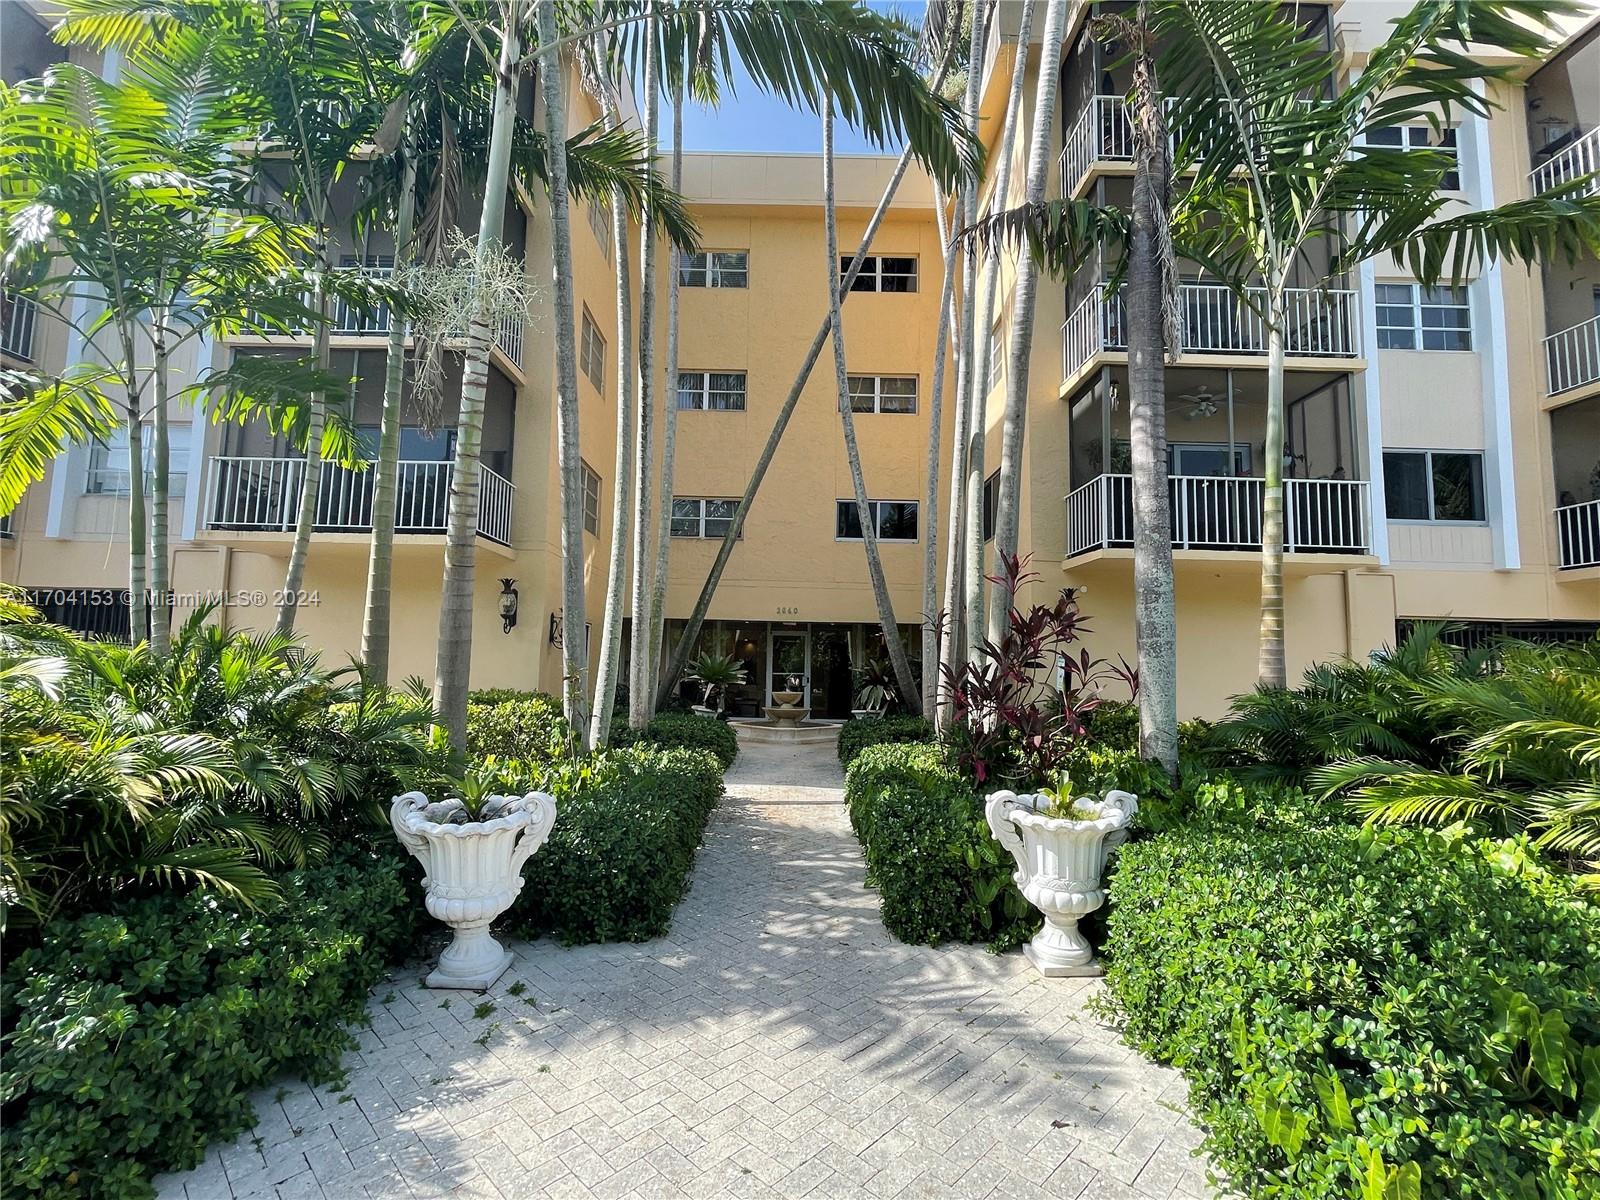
(716, 673)
(1017, 710)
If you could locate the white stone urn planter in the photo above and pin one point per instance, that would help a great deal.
(472, 871)
(1060, 864)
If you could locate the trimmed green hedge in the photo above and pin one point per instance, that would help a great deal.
(1367, 1015)
(859, 733)
(134, 1038)
(681, 731)
(526, 727)
(618, 859)
(940, 875)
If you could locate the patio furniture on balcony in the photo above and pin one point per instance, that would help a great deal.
(1321, 516)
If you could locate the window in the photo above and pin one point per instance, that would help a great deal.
(713, 391)
(991, 505)
(592, 354)
(996, 353)
(591, 499)
(715, 269)
(1422, 137)
(883, 393)
(600, 222)
(893, 520)
(1433, 485)
(882, 274)
(694, 518)
(1434, 318)
(108, 464)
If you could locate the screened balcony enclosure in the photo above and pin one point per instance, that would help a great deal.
(1216, 437)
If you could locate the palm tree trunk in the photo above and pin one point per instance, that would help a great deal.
(574, 651)
(454, 664)
(669, 421)
(311, 473)
(639, 705)
(930, 504)
(869, 537)
(605, 687)
(972, 563)
(161, 497)
(138, 526)
(386, 480)
(1272, 670)
(1008, 501)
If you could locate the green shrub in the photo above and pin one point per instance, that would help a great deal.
(1365, 1014)
(681, 731)
(1114, 725)
(135, 1037)
(529, 728)
(940, 875)
(857, 734)
(627, 826)
(508, 696)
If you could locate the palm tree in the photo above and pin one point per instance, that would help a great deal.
(864, 509)
(932, 627)
(1283, 155)
(978, 395)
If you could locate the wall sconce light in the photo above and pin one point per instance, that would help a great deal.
(555, 629)
(508, 604)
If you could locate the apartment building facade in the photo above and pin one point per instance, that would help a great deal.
(1441, 459)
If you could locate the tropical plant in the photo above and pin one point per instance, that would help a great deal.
(716, 673)
(1011, 722)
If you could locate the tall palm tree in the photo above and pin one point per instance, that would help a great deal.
(864, 510)
(932, 627)
(1284, 159)
(978, 397)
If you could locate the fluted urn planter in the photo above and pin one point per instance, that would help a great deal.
(472, 871)
(1061, 862)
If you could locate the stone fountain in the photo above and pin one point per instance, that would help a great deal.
(786, 712)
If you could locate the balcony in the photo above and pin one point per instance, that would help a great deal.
(1578, 535)
(1321, 516)
(1102, 134)
(262, 495)
(1212, 320)
(1577, 159)
(1572, 357)
(16, 327)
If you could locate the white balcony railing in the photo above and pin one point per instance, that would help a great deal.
(16, 329)
(262, 494)
(1572, 356)
(1102, 134)
(1578, 534)
(1321, 516)
(508, 337)
(1578, 159)
(1212, 320)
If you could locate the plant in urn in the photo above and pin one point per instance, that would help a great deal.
(1061, 847)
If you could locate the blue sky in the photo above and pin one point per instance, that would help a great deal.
(750, 119)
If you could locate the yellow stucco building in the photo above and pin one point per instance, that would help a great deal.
(1443, 448)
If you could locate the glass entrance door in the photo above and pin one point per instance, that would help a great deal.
(789, 655)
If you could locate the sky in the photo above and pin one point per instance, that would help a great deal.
(749, 119)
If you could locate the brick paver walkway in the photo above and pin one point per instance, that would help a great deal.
(777, 1043)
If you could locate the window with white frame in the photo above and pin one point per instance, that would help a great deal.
(882, 273)
(711, 391)
(1423, 137)
(108, 462)
(996, 353)
(592, 353)
(600, 222)
(714, 269)
(1433, 485)
(892, 520)
(696, 517)
(883, 393)
(591, 499)
(1411, 317)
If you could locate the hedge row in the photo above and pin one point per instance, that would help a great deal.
(1361, 1014)
(856, 735)
(529, 727)
(618, 859)
(681, 731)
(134, 1038)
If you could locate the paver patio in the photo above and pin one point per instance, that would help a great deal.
(777, 1043)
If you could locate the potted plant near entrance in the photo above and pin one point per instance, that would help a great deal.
(715, 673)
(1061, 846)
(472, 846)
(875, 689)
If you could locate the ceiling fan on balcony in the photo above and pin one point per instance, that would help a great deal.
(1202, 403)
